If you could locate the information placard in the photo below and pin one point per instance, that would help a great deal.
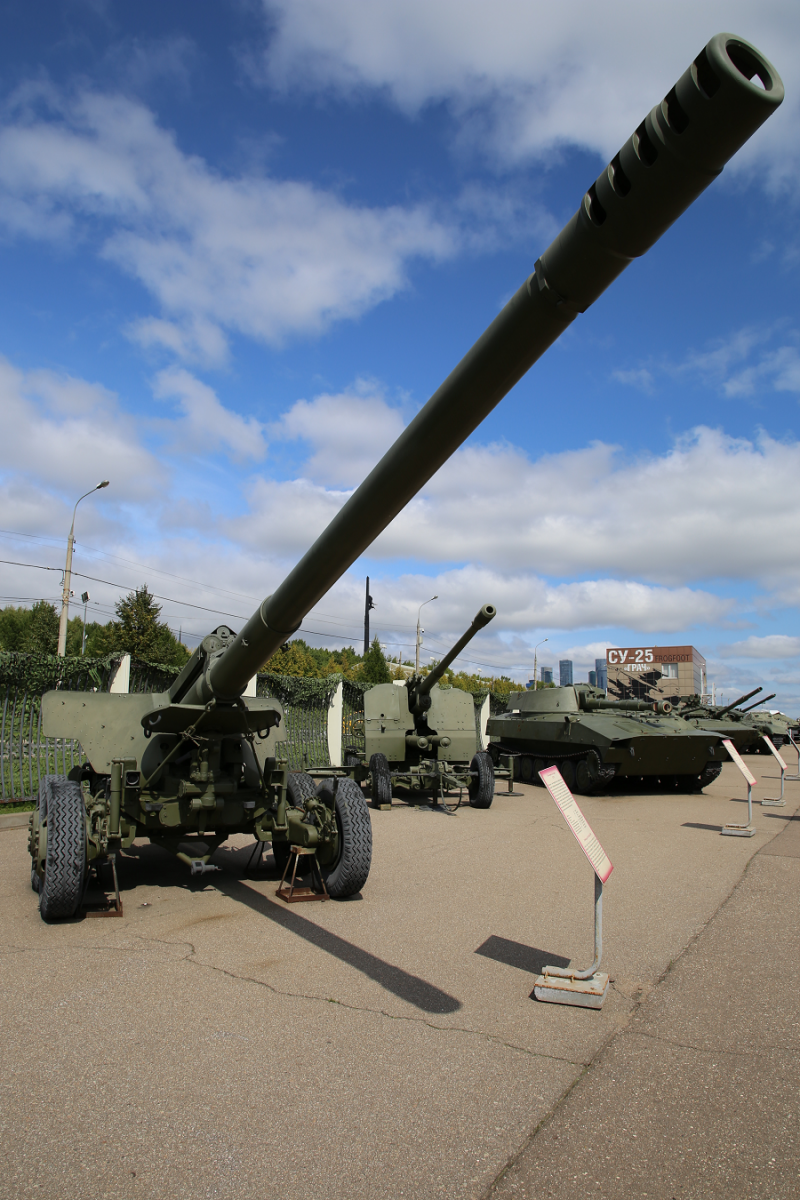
(741, 764)
(773, 750)
(553, 780)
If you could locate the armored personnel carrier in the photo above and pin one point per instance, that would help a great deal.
(593, 740)
(189, 767)
(423, 737)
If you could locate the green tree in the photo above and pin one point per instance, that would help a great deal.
(41, 635)
(14, 624)
(139, 632)
(375, 669)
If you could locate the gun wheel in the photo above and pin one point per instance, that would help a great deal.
(65, 872)
(481, 788)
(348, 873)
(299, 788)
(380, 780)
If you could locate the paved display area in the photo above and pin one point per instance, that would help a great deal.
(215, 1043)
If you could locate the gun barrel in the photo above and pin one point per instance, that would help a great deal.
(674, 154)
(481, 619)
(761, 700)
(736, 703)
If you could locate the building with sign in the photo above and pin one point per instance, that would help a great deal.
(655, 672)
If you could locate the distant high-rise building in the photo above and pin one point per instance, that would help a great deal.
(601, 672)
(565, 672)
(547, 674)
(593, 679)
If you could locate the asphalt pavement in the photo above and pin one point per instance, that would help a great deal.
(216, 1043)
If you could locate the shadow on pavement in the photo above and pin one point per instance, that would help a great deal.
(516, 954)
(402, 984)
(700, 825)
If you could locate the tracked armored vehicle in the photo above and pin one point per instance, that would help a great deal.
(727, 721)
(593, 740)
(422, 737)
(189, 767)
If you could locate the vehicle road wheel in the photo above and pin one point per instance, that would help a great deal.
(526, 768)
(567, 769)
(380, 780)
(65, 870)
(584, 781)
(348, 873)
(481, 788)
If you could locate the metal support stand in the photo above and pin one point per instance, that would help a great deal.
(585, 989)
(294, 895)
(775, 801)
(108, 907)
(510, 789)
(794, 778)
(747, 830)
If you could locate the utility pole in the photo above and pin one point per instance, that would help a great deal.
(367, 606)
(65, 591)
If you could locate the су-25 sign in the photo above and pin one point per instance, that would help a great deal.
(630, 657)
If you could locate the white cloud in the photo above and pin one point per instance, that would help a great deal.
(207, 425)
(524, 77)
(775, 645)
(348, 433)
(69, 434)
(249, 254)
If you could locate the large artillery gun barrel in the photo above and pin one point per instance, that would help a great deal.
(480, 621)
(673, 155)
(590, 704)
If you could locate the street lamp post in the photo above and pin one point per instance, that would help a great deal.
(420, 632)
(536, 647)
(62, 624)
(85, 597)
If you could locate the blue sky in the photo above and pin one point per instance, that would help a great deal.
(243, 243)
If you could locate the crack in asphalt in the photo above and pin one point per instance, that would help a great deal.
(378, 1012)
(754, 1053)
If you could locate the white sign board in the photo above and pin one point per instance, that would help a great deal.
(553, 780)
(741, 764)
(781, 763)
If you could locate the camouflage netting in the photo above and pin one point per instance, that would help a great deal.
(305, 705)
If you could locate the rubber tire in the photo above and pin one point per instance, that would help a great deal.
(481, 788)
(351, 756)
(348, 874)
(66, 870)
(380, 780)
(300, 787)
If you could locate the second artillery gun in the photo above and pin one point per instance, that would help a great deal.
(424, 737)
(189, 767)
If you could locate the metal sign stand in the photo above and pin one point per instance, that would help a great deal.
(775, 801)
(560, 985)
(734, 830)
(794, 778)
(586, 989)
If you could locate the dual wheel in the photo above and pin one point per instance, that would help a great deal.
(481, 787)
(61, 814)
(347, 873)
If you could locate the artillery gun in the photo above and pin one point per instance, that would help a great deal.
(593, 740)
(423, 736)
(204, 761)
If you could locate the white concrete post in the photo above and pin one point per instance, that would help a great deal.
(250, 690)
(486, 709)
(335, 711)
(120, 680)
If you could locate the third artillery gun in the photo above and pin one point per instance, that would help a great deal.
(189, 767)
(424, 737)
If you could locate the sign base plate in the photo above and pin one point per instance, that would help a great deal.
(738, 830)
(773, 803)
(584, 993)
